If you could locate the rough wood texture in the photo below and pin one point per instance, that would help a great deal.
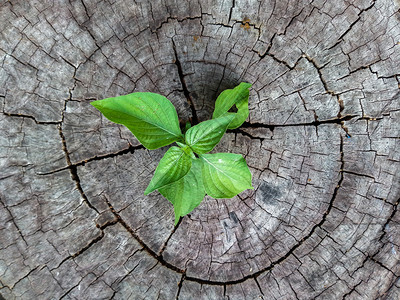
(322, 142)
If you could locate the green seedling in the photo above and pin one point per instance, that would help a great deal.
(186, 173)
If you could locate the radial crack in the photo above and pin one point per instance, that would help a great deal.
(90, 244)
(180, 286)
(144, 246)
(74, 172)
(230, 11)
(186, 92)
(173, 231)
(131, 149)
(32, 118)
(314, 123)
(340, 39)
(13, 221)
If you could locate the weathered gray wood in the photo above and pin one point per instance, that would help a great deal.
(322, 143)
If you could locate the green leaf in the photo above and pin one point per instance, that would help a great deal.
(203, 137)
(150, 117)
(187, 126)
(187, 150)
(238, 96)
(225, 174)
(186, 193)
(173, 166)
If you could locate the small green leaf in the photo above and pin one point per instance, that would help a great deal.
(238, 96)
(188, 151)
(181, 145)
(203, 137)
(186, 193)
(173, 166)
(225, 174)
(150, 117)
(187, 126)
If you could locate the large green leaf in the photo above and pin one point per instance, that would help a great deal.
(186, 193)
(225, 174)
(173, 166)
(203, 137)
(150, 117)
(238, 96)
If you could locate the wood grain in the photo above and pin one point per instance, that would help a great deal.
(322, 143)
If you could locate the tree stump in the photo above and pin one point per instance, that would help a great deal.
(322, 143)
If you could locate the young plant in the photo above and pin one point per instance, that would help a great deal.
(186, 173)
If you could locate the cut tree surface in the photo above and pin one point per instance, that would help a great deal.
(322, 142)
